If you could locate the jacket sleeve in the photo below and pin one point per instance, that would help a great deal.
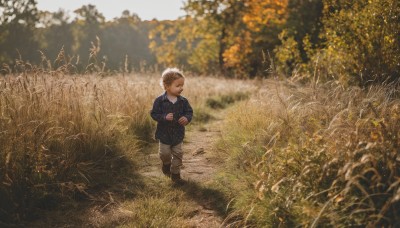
(187, 111)
(156, 113)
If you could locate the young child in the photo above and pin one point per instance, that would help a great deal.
(172, 113)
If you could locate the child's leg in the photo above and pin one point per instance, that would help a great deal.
(177, 155)
(165, 153)
(165, 156)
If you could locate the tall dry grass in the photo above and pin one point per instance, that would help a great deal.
(71, 135)
(319, 156)
(63, 134)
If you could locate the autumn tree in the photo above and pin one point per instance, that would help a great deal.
(225, 17)
(205, 54)
(244, 30)
(175, 43)
(362, 40)
(264, 19)
(305, 22)
(300, 36)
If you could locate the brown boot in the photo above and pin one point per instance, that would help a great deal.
(176, 178)
(166, 169)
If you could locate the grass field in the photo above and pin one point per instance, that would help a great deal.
(293, 155)
(68, 136)
(314, 156)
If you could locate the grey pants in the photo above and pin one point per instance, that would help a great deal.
(171, 155)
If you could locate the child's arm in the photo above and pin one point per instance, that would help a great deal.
(187, 111)
(156, 113)
(187, 114)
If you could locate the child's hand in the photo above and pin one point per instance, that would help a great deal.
(169, 116)
(183, 121)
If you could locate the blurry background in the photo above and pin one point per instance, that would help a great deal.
(146, 10)
(351, 42)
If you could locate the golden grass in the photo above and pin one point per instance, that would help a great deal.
(70, 135)
(323, 156)
(319, 156)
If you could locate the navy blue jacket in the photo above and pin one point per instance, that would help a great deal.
(170, 132)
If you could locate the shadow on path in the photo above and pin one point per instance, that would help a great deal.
(87, 208)
(207, 197)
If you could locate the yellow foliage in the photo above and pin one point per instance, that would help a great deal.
(261, 13)
(236, 55)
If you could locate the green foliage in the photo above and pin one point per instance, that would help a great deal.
(204, 56)
(17, 25)
(287, 54)
(86, 28)
(54, 36)
(362, 40)
(171, 41)
(125, 44)
(305, 20)
(299, 38)
(86, 44)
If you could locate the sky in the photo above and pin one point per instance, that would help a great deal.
(146, 9)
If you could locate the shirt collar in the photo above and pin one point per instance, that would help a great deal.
(165, 98)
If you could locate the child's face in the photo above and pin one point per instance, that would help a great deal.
(176, 87)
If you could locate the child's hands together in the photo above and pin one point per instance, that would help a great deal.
(183, 121)
(169, 116)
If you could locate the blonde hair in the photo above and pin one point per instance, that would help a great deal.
(169, 75)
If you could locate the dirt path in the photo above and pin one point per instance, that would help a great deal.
(199, 166)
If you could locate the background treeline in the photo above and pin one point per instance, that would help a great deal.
(86, 42)
(344, 40)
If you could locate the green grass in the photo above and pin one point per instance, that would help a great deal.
(202, 116)
(222, 101)
(161, 207)
(162, 204)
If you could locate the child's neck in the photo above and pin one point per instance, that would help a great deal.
(171, 96)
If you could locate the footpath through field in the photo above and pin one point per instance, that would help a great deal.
(199, 166)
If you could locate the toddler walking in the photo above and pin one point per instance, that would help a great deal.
(172, 113)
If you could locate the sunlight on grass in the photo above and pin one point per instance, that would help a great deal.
(73, 135)
(164, 206)
(313, 156)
